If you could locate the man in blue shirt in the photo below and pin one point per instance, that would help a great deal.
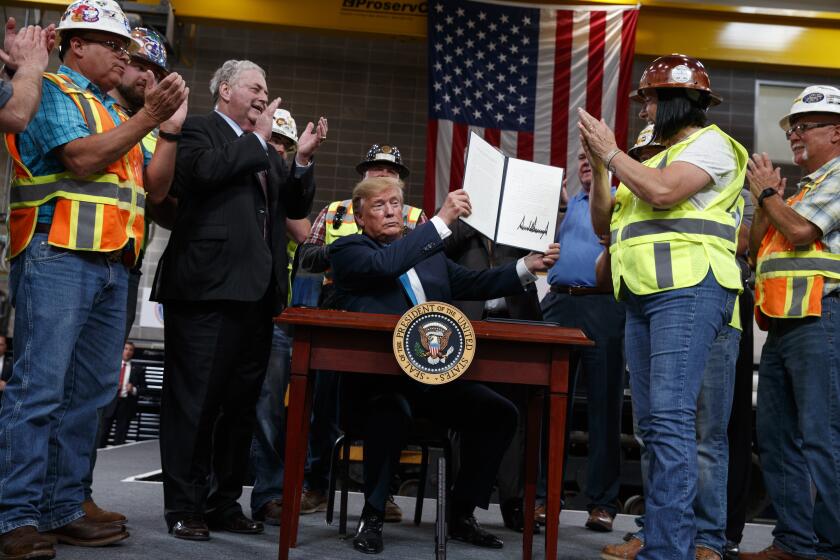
(575, 301)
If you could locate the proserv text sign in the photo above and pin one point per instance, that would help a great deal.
(385, 7)
(385, 16)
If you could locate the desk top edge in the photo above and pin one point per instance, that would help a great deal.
(545, 334)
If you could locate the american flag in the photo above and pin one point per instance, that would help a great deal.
(515, 74)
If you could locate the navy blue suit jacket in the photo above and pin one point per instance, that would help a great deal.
(366, 273)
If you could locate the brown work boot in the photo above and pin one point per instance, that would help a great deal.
(393, 513)
(770, 553)
(539, 514)
(84, 532)
(95, 513)
(26, 542)
(624, 551)
(269, 512)
(703, 553)
(600, 520)
(313, 501)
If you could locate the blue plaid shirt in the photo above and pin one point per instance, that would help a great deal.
(821, 207)
(58, 122)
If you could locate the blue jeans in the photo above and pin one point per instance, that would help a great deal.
(69, 328)
(713, 408)
(798, 423)
(269, 441)
(601, 318)
(668, 339)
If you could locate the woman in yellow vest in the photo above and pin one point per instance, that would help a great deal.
(673, 229)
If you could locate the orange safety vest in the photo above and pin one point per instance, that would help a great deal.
(789, 280)
(100, 212)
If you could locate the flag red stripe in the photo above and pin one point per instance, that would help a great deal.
(459, 146)
(562, 79)
(595, 67)
(429, 193)
(493, 136)
(525, 146)
(625, 77)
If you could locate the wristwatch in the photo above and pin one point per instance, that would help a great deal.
(769, 191)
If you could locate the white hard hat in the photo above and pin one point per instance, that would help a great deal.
(644, 140)
(95, 15)
(813, 99)
(284, 125)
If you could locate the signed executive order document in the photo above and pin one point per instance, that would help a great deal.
(514, 202)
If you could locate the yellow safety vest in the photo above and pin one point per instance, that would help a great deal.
(100, 212)
(654, 250)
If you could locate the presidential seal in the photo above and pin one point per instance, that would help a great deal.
(434, 343)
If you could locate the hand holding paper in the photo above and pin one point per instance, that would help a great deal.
(540, 262)
(457, 204)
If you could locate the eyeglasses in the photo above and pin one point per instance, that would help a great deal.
(801, 128)
(116, 48)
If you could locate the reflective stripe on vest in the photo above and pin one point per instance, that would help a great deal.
(656, 249)
(100, 212)
(790, 280)
(347, 225)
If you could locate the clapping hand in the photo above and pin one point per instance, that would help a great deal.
(165, 98)
(27, 48)
(761, 175)
(311, 139)
(598, 139)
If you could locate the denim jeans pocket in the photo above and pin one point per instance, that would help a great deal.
(42, 251)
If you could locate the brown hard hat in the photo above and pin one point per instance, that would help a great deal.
(675, 71)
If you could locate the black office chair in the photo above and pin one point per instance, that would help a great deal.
(424, 435)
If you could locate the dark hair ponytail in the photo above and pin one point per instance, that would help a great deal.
(677, 108)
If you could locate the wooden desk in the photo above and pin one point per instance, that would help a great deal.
(536, 355)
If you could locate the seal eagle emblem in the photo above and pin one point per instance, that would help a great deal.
(434, 343)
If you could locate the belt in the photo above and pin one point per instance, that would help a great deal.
(578, 290)
(123, 255)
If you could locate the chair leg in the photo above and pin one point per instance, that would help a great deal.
(421, 485)
(345, 486)
(440, 521)
(334, 466)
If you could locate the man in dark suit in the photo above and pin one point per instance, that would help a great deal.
(380, 271)
(124, 406)
(472, 250)
(221, 279)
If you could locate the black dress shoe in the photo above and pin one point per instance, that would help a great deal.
(514, 517)
(237, 523)
(191, 529)
(731, 550)
(368, 537)
(468, 530)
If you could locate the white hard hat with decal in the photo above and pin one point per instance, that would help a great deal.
(644, 140)
(813, 99)
(95, 15)
(284, 125)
